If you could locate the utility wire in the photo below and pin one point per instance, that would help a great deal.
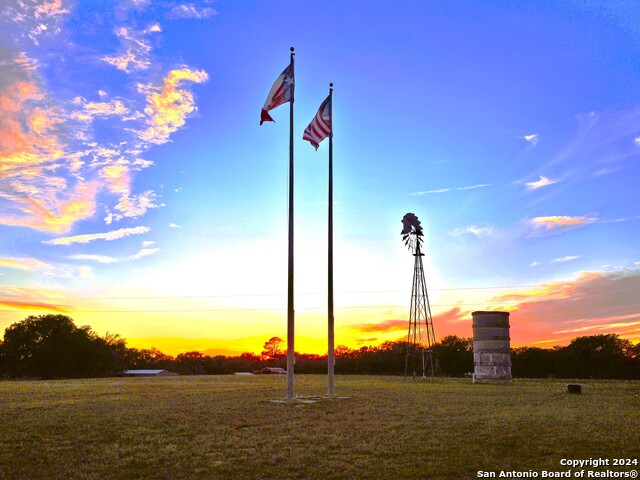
(251, 295)
(282, 309)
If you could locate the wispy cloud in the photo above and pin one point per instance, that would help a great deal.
(473, 230)
(542, 226)
(134, 52)
(39, 18)
(542, 182)
(134, 206)
(532, 139)
(90, 110)
(191, 10)
(29, 264)
(108, 236)
(174, 225)
(144, 252)
(44, 268)
(444, 190)
(93, 258)
(474, 187)
(565, 259)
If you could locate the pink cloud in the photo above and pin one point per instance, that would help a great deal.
(594, 302)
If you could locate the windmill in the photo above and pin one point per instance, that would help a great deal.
(421, 336)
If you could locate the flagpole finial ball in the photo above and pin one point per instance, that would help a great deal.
(292, 49)
(331, 85)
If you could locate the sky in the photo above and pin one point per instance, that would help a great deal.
(139, 194)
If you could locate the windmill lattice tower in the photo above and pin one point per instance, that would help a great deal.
(421, 336)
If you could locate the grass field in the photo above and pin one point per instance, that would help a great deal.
(225, 427)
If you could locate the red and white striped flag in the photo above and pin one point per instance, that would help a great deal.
(320, 126)
(281, 92)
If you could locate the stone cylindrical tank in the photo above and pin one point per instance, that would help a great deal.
(491, 347)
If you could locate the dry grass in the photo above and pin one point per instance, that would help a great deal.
(226, 427)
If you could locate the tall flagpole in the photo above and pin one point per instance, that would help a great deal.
(291, 359)
(331, 353)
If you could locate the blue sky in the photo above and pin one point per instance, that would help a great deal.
(511, 129)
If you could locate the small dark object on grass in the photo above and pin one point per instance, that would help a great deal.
(572, 388)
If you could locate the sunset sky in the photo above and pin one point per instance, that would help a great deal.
(139, 195)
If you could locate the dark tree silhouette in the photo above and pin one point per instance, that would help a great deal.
(51, 346)
(454, 355)
(597, 356)
(534, 362)
(191, 363)
(272, 350)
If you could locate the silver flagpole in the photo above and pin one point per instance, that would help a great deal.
(291, 358)
(331, 353)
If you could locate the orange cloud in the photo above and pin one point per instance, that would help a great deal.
(18, 305)
(48, 212)
(17, 298)
(48, 9)
(451, 322)
(51, 165)
(30, 152)
(30, 264)
(43, 268)
(558, 223)
(383, 326)
(117, 176)
(169, 105)
(593, 302)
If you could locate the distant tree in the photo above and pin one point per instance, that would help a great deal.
(51, 346)
(534, 362)
(247, 362)
(342, 351)
(454, 355)
(148, 358)
(272, 350)
(191, 363)
(597, 356)
(311, 363)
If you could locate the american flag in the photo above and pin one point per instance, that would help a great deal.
(320, 126)
(281, 92)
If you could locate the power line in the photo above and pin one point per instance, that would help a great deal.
(282, 309)
(252, 295)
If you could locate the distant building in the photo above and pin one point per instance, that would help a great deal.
(147, 373)
(271, 371)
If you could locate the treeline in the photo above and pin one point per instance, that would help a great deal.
(51, 346)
